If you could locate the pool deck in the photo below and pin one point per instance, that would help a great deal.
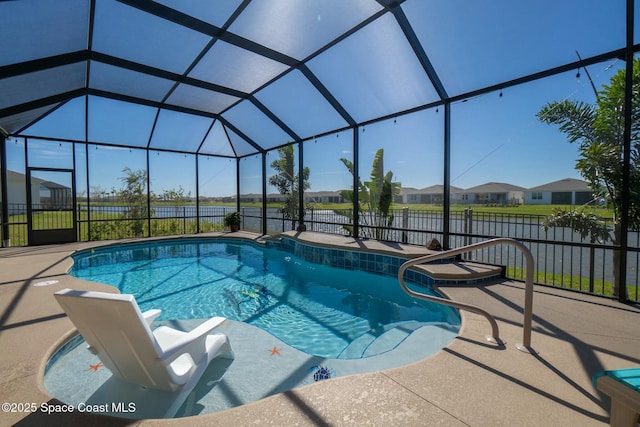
(470, 382)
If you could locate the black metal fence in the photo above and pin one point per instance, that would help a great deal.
(562, 257)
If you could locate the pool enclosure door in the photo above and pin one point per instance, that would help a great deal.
(51, 216)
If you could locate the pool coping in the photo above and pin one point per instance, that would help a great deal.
(467, 383)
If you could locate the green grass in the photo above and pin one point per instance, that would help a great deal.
(576, 283)
(533, 210)
(105, 226)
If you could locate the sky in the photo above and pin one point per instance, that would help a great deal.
(495, 137)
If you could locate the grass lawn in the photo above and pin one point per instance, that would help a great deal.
(532, 210)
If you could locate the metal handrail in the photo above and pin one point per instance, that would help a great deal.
(525, 346)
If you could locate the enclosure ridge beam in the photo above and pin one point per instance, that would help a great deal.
(164, 74)
(260, 106)
(228, 124)
(572, 66)
(149, 103)
(42, 102)
(42, 116)
(189, 21)
(13, 70)
(326, 94)
(422, 56)
(390, 3)
(206, 135)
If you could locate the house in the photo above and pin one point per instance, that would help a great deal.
(46, 194)
(250, 198)
(433, 194)
(309, 197)
(54, 195)
(491, 193)
(568, 191)
(17, 193)
(323, 197)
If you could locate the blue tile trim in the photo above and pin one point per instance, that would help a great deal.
(366, 261)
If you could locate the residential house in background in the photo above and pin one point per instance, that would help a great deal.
(323, 197)
(54, 195)
(17, 193)
(499, 193)
(433, 194)
(43, 193)
(568, 191)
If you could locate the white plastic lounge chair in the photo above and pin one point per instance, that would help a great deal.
(120, 335)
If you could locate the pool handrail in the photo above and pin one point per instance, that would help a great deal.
(525, 346)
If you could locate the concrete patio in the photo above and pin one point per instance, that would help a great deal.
(470, 382)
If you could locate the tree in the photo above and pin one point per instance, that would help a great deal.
(177, 198)
(375, 198)
(134, 195)
(98, 193)
(287, 182)
(598, 130)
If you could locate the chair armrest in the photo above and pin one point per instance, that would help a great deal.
(182, 344)
(207, 326)
(150, 315)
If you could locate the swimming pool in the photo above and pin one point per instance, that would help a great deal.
(297, 314)
(315, 307)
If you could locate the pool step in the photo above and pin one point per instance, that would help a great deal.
(460, 271)
(376, 342)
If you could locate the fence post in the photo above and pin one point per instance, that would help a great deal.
(405, 224)
(592, 260)
(312, 211)
(468, 227)
(4, 194)
(465, 226)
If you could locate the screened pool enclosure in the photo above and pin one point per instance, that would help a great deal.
(137, 118)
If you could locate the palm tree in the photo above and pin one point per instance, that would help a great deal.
(375, 198)
(598, 130)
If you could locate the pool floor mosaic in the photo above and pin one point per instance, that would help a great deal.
(263, 366)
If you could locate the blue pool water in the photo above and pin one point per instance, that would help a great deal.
(319, 309)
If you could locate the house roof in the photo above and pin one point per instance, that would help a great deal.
(17, 176)
(439, 189)
(322, 193)
(54, 185)
(493, 187)
(566, 184)
(409, 190)
(432, 189)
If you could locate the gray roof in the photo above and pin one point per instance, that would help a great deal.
(409, 190)
(566, 184)
(432, 189)
(54, 185)
(493, 187)
(17, 176)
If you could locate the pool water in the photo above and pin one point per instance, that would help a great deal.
(318, 309)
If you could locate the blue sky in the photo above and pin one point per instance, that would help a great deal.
(494, 138)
